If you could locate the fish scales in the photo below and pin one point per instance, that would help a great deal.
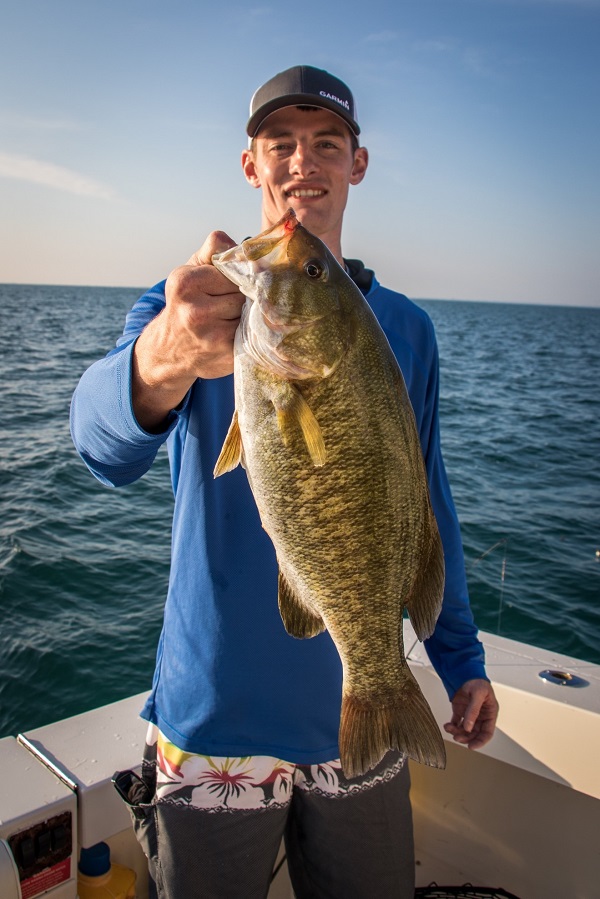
(324, 427)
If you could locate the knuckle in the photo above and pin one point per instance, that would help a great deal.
(178, 282)
(188, 283)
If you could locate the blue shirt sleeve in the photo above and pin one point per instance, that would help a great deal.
(104, 429)
(454, 649)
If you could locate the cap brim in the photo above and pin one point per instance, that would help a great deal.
(256, 120)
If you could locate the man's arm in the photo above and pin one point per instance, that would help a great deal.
(454, 647)
(126, 404)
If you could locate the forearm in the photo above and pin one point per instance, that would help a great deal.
(454, 647)
(104, 427)
(159, 382)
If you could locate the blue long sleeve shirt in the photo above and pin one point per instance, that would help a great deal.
(229, 680)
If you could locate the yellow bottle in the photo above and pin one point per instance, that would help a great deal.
(97, 878)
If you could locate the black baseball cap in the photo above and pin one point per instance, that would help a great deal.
(302, 86)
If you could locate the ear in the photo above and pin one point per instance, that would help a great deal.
(359, 169)
(249, 168)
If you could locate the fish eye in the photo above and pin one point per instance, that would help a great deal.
(314, 268)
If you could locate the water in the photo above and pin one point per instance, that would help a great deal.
(83, 569)
(520, 413)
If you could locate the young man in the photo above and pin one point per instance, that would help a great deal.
(242, 745)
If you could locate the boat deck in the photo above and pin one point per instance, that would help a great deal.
(522, 814)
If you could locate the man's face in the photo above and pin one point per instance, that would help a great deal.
(304, 159)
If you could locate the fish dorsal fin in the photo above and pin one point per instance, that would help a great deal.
(299, 621)
(232, 451)
(292, 409)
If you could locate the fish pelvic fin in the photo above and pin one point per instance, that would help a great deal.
(425, 601)
(232, 451)
(293, 410)
(298, 620)
(369, 729)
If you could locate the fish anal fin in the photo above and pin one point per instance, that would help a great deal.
(425, 601)
(370, 729)
(293, 410)
(298, 620)
(232, 451)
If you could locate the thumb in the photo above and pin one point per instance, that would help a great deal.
(472, 711)
(216, 242)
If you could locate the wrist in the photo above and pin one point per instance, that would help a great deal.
(159, 382)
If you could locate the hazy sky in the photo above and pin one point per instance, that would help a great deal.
(122, 123)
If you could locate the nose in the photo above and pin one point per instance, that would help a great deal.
(303, 160)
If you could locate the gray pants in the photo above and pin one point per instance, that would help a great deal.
(356, 845)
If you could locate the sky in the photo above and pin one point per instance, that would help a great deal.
(122, 124)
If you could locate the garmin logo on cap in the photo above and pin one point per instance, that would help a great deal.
(343, 103)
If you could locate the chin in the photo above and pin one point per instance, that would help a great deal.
(311, 218)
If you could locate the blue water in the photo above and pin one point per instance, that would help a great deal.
(83, 568)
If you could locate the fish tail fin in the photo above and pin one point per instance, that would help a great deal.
(369, 729)
(425, 602)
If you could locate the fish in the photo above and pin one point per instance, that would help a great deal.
(324, 427)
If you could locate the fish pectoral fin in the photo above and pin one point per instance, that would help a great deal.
(425, 601)
(293, 410)
(370, 727)
(298, 620)
(232, 451)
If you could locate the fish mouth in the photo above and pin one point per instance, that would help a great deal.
(257, 254)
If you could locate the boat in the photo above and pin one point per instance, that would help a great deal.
(519, 818)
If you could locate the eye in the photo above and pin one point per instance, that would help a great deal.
(314, 268)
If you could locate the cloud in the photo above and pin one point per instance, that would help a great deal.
(476, 60)
(36, 171)
(382, 37)
(11, 119)
(434, 45)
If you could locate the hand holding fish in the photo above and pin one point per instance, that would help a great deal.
(475, 710)
(206, 307)
(191, 338)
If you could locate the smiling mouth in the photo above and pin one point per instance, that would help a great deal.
(300, 193)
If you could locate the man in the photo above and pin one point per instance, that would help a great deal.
(242, 745)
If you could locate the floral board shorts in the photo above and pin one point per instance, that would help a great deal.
(212, 827)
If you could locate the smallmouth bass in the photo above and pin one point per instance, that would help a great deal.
(324, 427)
